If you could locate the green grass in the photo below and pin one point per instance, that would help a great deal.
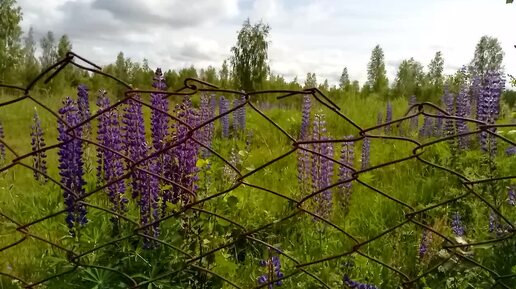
(411, 182)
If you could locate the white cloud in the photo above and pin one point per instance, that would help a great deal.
(320, 36)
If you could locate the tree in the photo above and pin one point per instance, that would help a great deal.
(30, 67)
(435, 77)
(488, 56)
(210, 75)
(376, 74)
(311, 80)
(49, 51)
(409, 79)
(250, 56)
(10, 38)
(344, 79)
(224, 75)
(63, 46)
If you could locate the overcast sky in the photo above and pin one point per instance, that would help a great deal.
(320, 36)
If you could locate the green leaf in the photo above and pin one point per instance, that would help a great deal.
(508, 1)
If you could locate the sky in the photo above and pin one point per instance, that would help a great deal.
(319, 36)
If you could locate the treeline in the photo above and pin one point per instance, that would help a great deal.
(247, 68)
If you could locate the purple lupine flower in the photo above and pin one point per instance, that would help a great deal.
(303, 164)
(426, 238)
(448, 100)
(489, 109)
(224, 120)
(207, 112)
(83, 105)
(388, 117)
(274, 272)
(511, 195)
(2, 147)
(438, 128)
(493, 222)
(426, 129)
(322, 168)
(476, 95)
(183, 167)
(510, 151)
(379, 118)
(39, 161)
(144, 186)
(239, 114)
(110, 164)
(456, 225)
(462, 110)
(355, 284)
(347, 157)
(71, 164)
(414, 120)
(159, 120)
(366, 148)
(134, 143)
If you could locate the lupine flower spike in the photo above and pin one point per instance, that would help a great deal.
(2, 147)
(71, 165)
(322, 168)
(224, 120)
(457, 227)
(83, 105)
(273, 266)
(39, 161)
(303, 164)
(347, 157)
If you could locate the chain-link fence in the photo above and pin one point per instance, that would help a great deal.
(450, 248)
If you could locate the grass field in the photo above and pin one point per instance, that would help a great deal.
(300, 237)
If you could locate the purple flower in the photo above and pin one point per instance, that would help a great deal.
(438, 129)
(322, 168)
(448, 101)
(207, 112)
(366, 147)
(2, 147)
(379, 118)
(347, 157)
(456, 225)
(355, 284)
(224, 120)
(510, 151)
(476, 94)
(110, 165)
(388, 117)
(83, 105)
(426, 129)
(71, 164)
(489, 108)
(239, 114)
(183, 167)
(414, 120)
(303, 164)
(511, 194)
(159, 120)
(274, 272)
(39, 161)
(463, 110)
(426, 238)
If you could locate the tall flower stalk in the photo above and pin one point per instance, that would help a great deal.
(239, 114)
(463, 110)
(358, 285)
(322, 168)
(388, 117)
(347, 157)
(39, 158)
(366, 149)
(71, 165)
(414, 120)
(2, 147)
(83, 105)
(303, 163)
(207, 112)
(224, 120)
(489, 109)
(110, 165)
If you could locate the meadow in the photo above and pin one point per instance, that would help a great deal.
(389, 225)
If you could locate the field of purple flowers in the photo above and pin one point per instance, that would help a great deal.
(152, 156)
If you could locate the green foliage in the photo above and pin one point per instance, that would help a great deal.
(409, 79)
(376, 74)
(488, 56)
(249, 59)
(10, 33)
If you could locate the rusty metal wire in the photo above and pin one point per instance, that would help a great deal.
(194, 86)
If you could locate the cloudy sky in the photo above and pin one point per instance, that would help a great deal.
(320, 36)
